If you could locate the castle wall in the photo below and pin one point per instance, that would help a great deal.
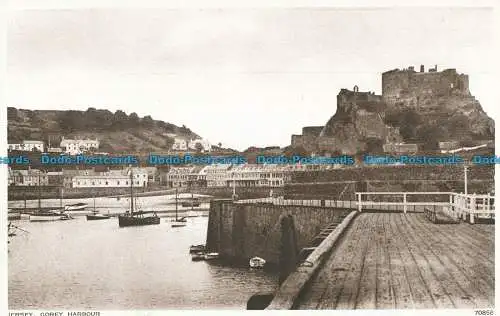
(312, 130)
(413, 87)
(297, 141)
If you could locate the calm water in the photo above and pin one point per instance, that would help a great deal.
(80, 264)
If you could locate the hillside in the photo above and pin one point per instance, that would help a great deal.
(117, 132)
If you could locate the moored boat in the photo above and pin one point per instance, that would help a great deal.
(196, 248)
(190, 203)
(97, 216)
(257, 263)
(178, 222)
(140, 218)
(48, 216)
(41, 215)
(211, 256)
(13, 216)
(198, 256)
(75, 207)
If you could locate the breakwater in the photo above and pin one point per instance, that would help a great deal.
(240, 231)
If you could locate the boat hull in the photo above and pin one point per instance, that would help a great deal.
(46, 218)
(211, 256)
(125, 221)
(96, 217)
(75, 207)
(13, 216)
(257, 263)
(197, 248)
(198, 257)
(179, 225)
(195, 204)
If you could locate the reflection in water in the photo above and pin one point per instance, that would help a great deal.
(96, 264)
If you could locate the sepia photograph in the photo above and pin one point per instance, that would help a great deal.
(249, 158)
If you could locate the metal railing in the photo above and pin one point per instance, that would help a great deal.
(317, 203)
(458, 205)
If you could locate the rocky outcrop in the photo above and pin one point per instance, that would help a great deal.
(358, 122)
(416, 107)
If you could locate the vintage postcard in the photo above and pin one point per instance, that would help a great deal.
(307, 157)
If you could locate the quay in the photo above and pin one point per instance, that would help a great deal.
(384, 250)
(404, 261)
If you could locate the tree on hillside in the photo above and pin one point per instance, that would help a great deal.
(12, 114)
(147, 121)
(98, 119)
(70, 121)
(119, 120)
(133, 119)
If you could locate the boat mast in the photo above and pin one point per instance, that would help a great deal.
(176, 204)
(61, 197)
(39, 192)
(131, 193)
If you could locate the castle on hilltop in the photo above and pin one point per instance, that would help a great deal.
(361, 115)
(409, 84)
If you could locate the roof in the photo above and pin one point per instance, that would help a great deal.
(102, 176)
(55, 173)
(33, 142)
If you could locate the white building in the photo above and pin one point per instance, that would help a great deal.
(216, 175)
(180, 144)
(78, 146)
(185, 176)
(28, 145)
(112, 179)
(30, 177)
(205, 144)
(258, 175)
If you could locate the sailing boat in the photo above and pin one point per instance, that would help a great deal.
(179, 222)
(96, 215)
(47, 215)
(132, 218)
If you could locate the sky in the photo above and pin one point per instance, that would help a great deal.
(240, 76)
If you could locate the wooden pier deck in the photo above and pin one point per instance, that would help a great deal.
(404, 261)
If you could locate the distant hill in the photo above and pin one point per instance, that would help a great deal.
(117, 132)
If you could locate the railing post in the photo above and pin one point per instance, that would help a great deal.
(404, 203)
(472, 208)
(488, 203)
(359, 202)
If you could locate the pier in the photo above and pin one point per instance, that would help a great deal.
(392, 250)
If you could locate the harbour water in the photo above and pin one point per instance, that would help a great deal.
(79, 264)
